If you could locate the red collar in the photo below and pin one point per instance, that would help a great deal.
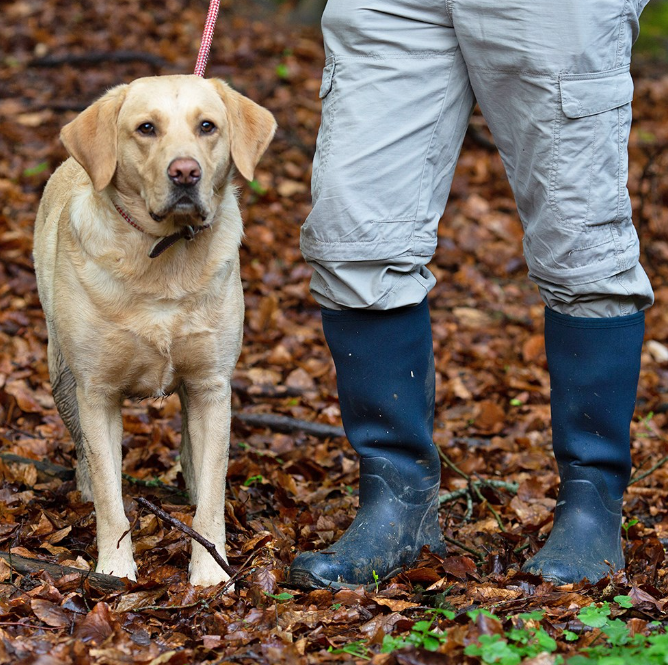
(163, 242)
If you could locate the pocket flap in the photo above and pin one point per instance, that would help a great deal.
(327, 78)
(588, 94)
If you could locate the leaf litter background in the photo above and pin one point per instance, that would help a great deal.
(290, 491)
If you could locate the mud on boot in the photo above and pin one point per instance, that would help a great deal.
(585, 541)
(392, 525)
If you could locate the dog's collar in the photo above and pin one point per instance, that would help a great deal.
(163, 242)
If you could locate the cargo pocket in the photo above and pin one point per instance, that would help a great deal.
(323, 142)
(589, 157)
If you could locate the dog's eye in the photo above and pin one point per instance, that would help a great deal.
(146, 128)
(207, 127)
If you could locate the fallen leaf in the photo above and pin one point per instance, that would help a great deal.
(50, 613)
(459, 566)
(96, 626)
(23, 396)
(533, 348)
(486, 593)
(395, 604)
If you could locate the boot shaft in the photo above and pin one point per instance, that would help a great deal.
(385, 378)
(594, 366)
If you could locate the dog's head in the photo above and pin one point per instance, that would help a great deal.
(170, 140)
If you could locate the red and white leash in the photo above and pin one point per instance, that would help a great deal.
(188, 232)
(207, 37)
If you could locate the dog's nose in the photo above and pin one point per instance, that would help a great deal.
(185, 172)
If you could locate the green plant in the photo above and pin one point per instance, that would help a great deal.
(446, 614)
(357, 649)
(252, 480)
(36, 170)
(421, 636)
(612, 644)
(474, 614)
(526, 640)
(257, 187)
(617, 646)
(595, 617)
(624, 601)
(645, 422)
(280, 597)
(627, 525)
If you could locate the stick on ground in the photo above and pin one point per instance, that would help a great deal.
(98, 581)
(650, 471)
(49, 468)
(288, 424)
(178, 524)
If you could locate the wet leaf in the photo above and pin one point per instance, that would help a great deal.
(96, 626)
(50, 613)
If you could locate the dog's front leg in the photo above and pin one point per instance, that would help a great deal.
(102, 433)
(209, 438)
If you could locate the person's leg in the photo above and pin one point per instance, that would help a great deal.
(553, 82)
(396, 103)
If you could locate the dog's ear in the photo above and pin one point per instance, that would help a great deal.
(92, 137)
(251, 128)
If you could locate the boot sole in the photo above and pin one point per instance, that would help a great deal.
(306, 580)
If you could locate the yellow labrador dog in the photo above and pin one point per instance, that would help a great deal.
(137, 260)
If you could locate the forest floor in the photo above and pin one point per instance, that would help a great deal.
(290, 490)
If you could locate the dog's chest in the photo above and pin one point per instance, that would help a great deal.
(143, 336)
(162, 336)
(151, 334)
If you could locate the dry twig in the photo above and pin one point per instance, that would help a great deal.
(265, 391)
(473, 489)
(650, 471)
(178, 524)
(466, 548)
(49, 468)
(287, 424)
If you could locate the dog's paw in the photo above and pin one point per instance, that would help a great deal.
(204, 571)
(118, 568)
(210, 578)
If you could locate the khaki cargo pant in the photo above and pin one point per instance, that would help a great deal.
(401, 79)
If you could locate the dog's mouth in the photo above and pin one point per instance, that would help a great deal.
(182, 205)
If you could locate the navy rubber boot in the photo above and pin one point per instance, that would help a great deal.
(385, 378)
(594, 366)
